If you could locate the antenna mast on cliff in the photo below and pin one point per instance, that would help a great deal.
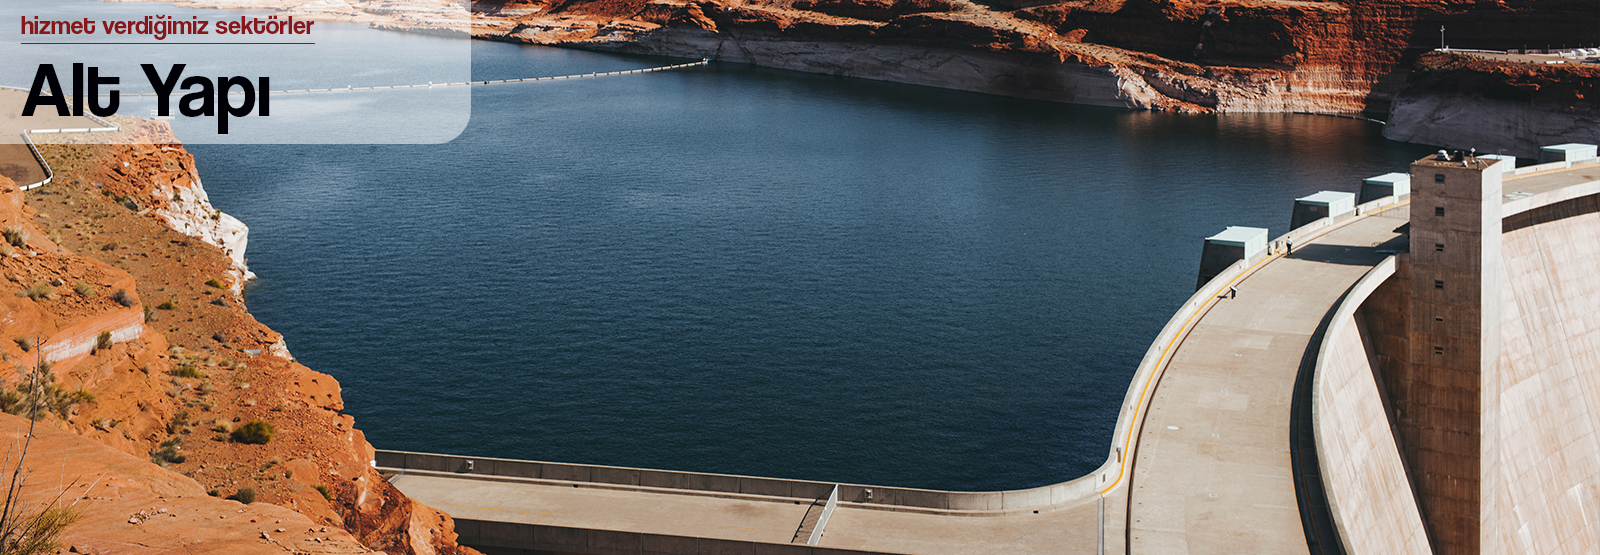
(1441, 39)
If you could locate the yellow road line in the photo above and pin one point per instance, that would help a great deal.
(1183, 332)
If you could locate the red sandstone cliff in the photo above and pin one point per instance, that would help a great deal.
(1224, 55)
(185, 364)
(1462, 101)
(1185, 55)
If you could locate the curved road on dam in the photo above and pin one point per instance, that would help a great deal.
(1210, 467)
(1210, 472)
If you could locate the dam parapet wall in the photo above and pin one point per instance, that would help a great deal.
(986, 503)
(1368, 493)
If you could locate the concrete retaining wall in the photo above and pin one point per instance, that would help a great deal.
(1368, 493)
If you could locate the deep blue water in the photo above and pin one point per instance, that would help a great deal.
(738, 270)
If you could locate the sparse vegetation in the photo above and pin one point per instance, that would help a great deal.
(179, 422)
(187, 371)
(324, 491)
(167, 305)
(246, 495)
(28, 528)
(84, 290)
(257, 432)
(122, 297)
(103, 341)
(150, 315)
(15, 236)
(36, 291)
(24, 343)
(38, 391)
(168, 452)
(214, 283)
(109, 246)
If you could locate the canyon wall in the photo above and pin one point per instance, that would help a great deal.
(131, 283)
(1222, 55)
(1151, 54)
(1462, 101)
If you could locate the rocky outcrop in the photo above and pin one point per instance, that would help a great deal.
(157, 178)
(127, 505)
(1462, 101)
(199, 365)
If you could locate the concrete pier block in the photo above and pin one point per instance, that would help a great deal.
(1508, 163)
(1570, 152)
(1392, 184)
(1326, 204)
(1232, 245)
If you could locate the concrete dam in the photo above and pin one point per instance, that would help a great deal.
(1412, 368)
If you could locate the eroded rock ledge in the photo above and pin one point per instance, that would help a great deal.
(124, 242)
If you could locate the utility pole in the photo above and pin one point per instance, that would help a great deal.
(1441, 39)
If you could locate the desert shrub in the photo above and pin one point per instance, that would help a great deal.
(122, 297)
(25, 343)
(38, 391)
(324, 491)
(109, 246)
(179, 422)
(15, 236)
(150, 315)
(167, 305)
(39, 532)
(214, 283)
(168, 452)
(103, 342)
(84, 289)
(258, 432)
(36, 291)
(187, 371)
(246, 495)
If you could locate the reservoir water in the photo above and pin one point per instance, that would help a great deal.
(738, 270)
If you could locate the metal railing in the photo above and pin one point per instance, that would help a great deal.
(827, 511)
